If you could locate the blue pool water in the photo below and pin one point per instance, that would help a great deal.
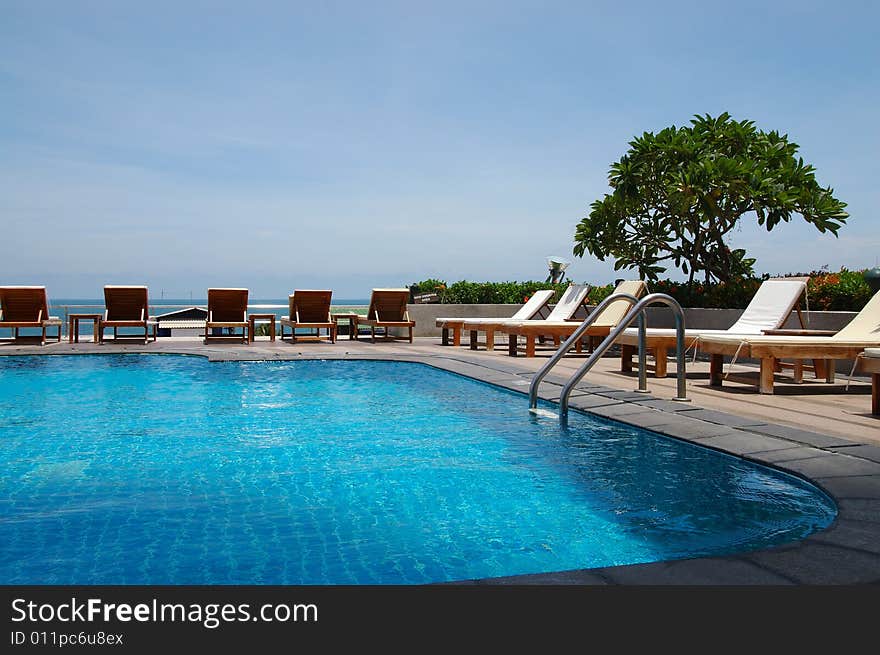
(149, 469)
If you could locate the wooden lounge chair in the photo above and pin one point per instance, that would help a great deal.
(27, 307)
(126, 307)
(311, 310)
(770, 307)
(536, 306)
(387, 310)
(862, 332)
(869, 362)
(227, 310)
(560, 329)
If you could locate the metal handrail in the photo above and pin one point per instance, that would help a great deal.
(571, 341)
(635, 312)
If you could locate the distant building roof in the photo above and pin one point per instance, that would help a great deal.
(189, 313)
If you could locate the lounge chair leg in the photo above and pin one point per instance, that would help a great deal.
(43, 337)
(456, 336)
(660, 363)
(829, 371)
(626, 358)
(530, 345)
(875, 393)
(512, 344)
(797, 370)
(411, 336)
(490, 339)
(716, 368)
(472, 343)
(444, 337)
(373, 334)
(768, 367)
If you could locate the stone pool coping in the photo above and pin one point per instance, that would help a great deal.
(845, 553)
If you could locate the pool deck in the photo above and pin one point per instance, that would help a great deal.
(813, 430)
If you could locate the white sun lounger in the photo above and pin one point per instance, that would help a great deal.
(770, 307)
(535, 306)
(563, 323)
(862, 332)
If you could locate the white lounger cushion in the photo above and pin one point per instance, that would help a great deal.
(865, 325)
(538, 300)
(573, 298)
(770, 306)
(614, 313)
(772, 303)
(872, 352)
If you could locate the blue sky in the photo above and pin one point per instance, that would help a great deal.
(346, 145)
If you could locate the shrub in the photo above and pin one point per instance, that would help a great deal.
(464, 292)
(430, 286)
(842, 291)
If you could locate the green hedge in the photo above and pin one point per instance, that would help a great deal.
(842, 291)
(496, 292)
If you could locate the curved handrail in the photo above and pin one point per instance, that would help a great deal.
(635, 312)
(571, 341)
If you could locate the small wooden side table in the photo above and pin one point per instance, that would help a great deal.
(73, 326)
(822, 368)
(263, 318)
(352, 322)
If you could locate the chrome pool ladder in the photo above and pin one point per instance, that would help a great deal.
(636, 312)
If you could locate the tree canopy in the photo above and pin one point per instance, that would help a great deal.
(678, 193)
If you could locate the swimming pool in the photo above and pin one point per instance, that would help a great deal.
(151, 469)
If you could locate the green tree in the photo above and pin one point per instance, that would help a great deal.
(678, 193)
